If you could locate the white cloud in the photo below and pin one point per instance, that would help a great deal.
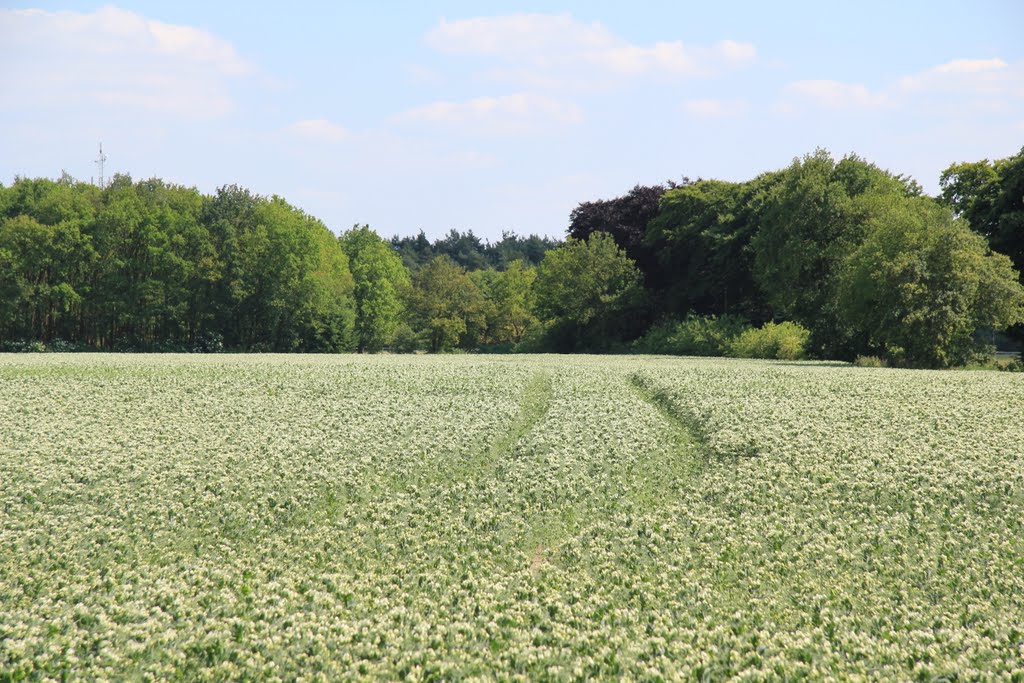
(716, 109)
(737, 52)
(520, 112)
(321, 130)
(957, 85)
(115, 58)
(836, 95)
(968, 77)
(520, 37)
(546, 50)
(970, 66)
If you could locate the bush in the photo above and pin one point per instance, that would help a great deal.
(535, 340)
(498, 348)
(1016, 365)
(22, 346)
(869, 362)
(784, 341)
(163, 346)
(406, 340)
(64, 346)
(208, 342)
(693, 336)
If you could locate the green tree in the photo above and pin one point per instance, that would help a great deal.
(446, 306)
(285, 283)
(921, 284)
(990, 196)
(150, 265)
(41, 271)
(509, 294)
(582, 290)
(813, 218)
(702, 237)
(381, 286)
(46, 255)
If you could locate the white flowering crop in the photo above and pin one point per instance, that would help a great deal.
(512, 517)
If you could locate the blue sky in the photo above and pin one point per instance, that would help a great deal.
(493, 115)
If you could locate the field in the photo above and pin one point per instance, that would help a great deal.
(515, 517)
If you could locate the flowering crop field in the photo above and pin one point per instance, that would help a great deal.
(511, 517)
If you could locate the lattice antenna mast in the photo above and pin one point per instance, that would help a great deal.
(100, 160)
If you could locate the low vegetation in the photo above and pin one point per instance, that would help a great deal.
(532, 517)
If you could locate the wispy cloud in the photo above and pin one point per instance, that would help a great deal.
(715, 109)
(521, 112)
(970, 66)
(116, 58)
(547, 50)
(836, 95)
(320, 130)
(968, 76)
(954, 85)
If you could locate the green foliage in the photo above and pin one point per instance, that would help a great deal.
(447, 306)
(471, 252)
(990, 197)
(782, 341)
(381, 287)
(813, 218)
(584, 291)
(405, 340)
(510, 302)
(41, 276)
(869, 362)
(726, 336)
(922, 283)
(154, 266)
(19, 346)
(854, 254)
(702, 237)
(693, 336)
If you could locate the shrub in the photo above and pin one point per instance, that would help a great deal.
(22, 346)
(499, 348)
(406, 340)
(64, 346)
(869, 362)
(208, 342)
(784, 341)
(1016, 365)
(536, 339)
(693, 336)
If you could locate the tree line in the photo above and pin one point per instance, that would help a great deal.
(826, 258)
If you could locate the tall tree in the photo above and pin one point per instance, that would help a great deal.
(41, 273)
(509, 294)
(472, 253)
(921, 284)
(446, 306)
(625, 218)
(702, 236)
(583, 290)
(812, 219)
(990, 196)
(381, 286)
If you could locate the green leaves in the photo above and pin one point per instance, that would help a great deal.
(381, 287)
(446, 304)
(922, 283)
(585, 282)
(536, 517)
